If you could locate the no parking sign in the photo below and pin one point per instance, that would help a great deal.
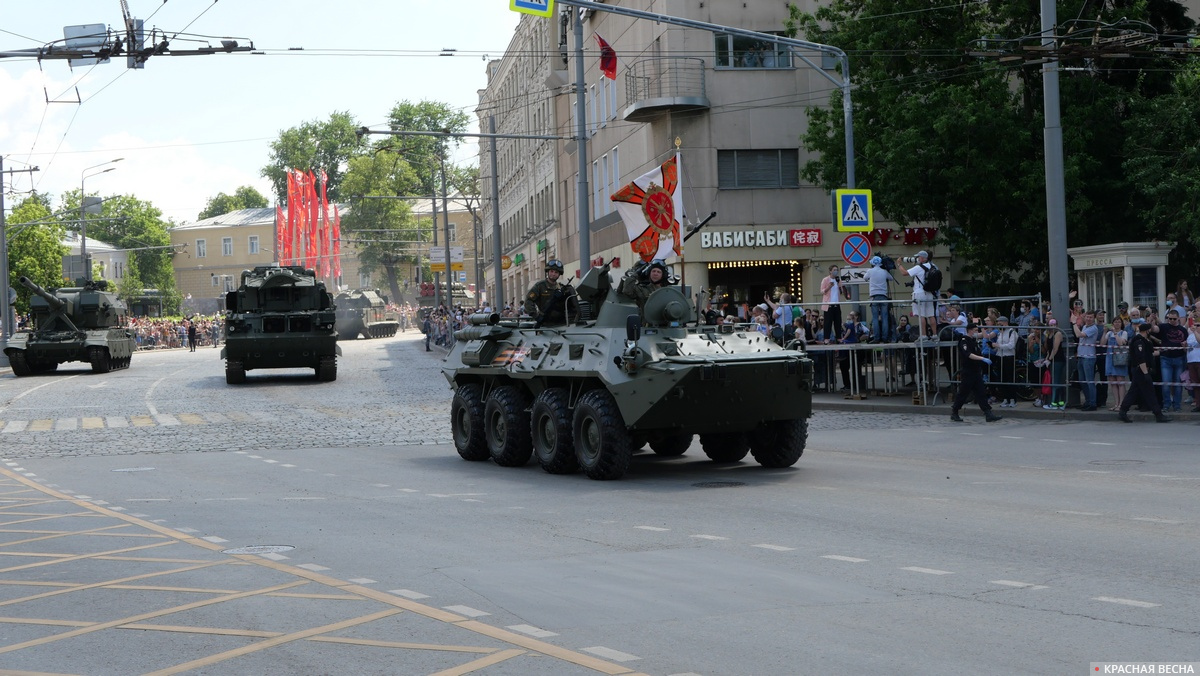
(856, 249)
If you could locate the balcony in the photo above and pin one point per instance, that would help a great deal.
(664, 85)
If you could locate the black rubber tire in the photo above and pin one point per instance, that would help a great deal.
(602, 442)
(20, 366)
(466, 423)
(235, 374)
(673, 445)
(98, 356)
(725, 446)
(550, 432)
(506, 426)
(327, 370)
(779, 443)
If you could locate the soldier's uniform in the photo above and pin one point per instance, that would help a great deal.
(637, 284)
(1141, 388)
(550, 302)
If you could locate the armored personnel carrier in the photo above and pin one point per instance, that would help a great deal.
(280, 317)
(85, 324)
(588, 395)
(364, 312)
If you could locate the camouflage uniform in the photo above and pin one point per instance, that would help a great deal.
(638, 290)
(542, 304)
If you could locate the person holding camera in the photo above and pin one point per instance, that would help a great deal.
(924, 300)
(832, 293)
(550, 302)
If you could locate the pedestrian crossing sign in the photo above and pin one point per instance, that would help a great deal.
(535, 7)
(853, 211)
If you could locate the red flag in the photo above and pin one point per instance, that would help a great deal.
(608, 58)
(310, 251)
(285, 257)
(337, 244)
(280, 229)
(323, 265)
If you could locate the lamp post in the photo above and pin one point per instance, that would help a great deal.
(83, 176)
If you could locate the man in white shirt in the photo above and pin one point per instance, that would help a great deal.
(924, 302)
(877, 286)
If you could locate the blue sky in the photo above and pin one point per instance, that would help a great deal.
(190, 127)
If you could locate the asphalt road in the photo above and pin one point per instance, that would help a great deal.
(898, 544)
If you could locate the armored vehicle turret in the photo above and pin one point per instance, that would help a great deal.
(589, 394)
(87, 324)
(279, 317)
(364, 312)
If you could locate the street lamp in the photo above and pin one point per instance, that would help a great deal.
(83, 176)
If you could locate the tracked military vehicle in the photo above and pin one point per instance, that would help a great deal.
(280, 317)
(587, 395)
(364, 312)
(86, 324)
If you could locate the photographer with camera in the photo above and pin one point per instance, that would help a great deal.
(832, 293)
(927, 281)
(549, 302)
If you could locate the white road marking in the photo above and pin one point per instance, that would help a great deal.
(972, 434)
(66, 424)
(114, 421)
(83, 497)
(15, 426)
(1158, 476)
(241, 453)
(166, 419)
(214, 539)
(287, 465)
(271, 462)
(466, 610)
(1149, 519)
(1067, 511)
(408, 490)
(1004, 437)
(312, 566)
(451, 495)
(380, 485)
(1095, 471)
(1020, 585)
(187, 530)
(531, 630)
(937, 499)
(255, 457)
(847, 559)
(301, 498)
(1060, 441)
(610, 654)
(928, 571)
(472, 500)
(656, 529)
(709, 537)
(775, 548)
(1126, 602)
(408, 594)
(1100, 443)
(362, 580)
(224, 499)
(273, 556)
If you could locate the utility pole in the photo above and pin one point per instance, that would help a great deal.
(497, 248)
(8, 325)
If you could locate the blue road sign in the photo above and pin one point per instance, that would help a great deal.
(535, 7)
(856, 249)
(853, 211)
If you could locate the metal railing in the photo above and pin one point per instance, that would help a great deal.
(665, 78)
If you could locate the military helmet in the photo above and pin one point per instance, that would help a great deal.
(554, 264)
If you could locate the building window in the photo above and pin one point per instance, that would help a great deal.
(226, 246)
(364, 280)
(739, 52)
(201, 249)
(252, 244)
(758, 168)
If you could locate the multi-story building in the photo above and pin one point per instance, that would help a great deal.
(736, 105)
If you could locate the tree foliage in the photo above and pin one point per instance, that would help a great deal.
(425, 153)
(384, 231)
(245, 197)
(327, 145)
(34, 251)
(947, 138)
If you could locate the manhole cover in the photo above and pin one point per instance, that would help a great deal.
(133, 469)
(718, 484)
(258, 549)
(1116, 462)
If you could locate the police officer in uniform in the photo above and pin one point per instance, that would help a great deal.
(549, 302)
(971, 363)
(644, 280)
(1141, 390)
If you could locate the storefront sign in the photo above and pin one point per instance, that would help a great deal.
(879, 237)
(911, 236)
(1095, 263)
(542, 245)
(519, 259)
(505, 262)
(805, 237)
(744, 238)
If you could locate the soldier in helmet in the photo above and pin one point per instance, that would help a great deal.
(644, 280)
(549, 302)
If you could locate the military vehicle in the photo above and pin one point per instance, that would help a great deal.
(364, 312)
(587, 395)
(280, 317)
(86, 323)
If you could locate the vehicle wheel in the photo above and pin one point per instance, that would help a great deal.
(550, 432)
(602, 443)
(506, 424)
(327, 370)
(725, 446)
(98, 356)
(466, 423)
(672, 445)
(20, 367)
(779, 443)
(234, 372)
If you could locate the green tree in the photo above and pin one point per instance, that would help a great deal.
(36, 250)
(425, 153)
(944, 137)
(245, 197)
(384, 231)
(314, 145)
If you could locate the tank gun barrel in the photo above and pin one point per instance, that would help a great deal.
(53, 301)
